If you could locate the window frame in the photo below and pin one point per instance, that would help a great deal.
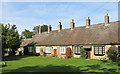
(64, 52)
(78, 50)
(39, 49)
(102, 50)
(118, 49)
(30, 48)
(47, 49)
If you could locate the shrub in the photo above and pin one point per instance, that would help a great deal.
(83, 53)
(68, 52)
(41, 50)
(43, 53)
(52, 55)
(56, 55)
(119, 63)
(112, 54)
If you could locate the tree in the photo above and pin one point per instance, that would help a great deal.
(27, 33)
(43, 27)
(10, 38)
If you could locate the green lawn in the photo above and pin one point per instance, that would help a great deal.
(51, 64)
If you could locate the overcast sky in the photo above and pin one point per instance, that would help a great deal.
(26, 15)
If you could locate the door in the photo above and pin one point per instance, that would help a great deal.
(55, 52)
(88, 54)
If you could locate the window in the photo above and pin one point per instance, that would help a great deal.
(37, 49)
(48, 50)
(99, 50)
(119, 49)
(22, 49)
(29, 49)
(77, 49)
(62, 50)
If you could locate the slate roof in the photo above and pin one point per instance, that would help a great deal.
(95, 34)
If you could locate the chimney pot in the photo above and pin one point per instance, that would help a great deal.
(40, 29)
(49, 28)
(72, 24)
(59, 26)
(87, 22)
(106, 19)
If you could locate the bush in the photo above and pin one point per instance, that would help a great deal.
(83, 53)
(118, 63)
(52, 55)
(68, 52)
(112, 54)
(56, 55)
(43, 53)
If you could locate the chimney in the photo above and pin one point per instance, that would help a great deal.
(106, 19)
(40, 29)
(72, 24)
(87, 22)
(59, 26)
(49, 28)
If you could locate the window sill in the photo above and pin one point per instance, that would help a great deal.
(62, 53)
(99, 54)
(47, 53)
(77, 53)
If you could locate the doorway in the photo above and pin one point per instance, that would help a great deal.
(88, 53)
(55, 52)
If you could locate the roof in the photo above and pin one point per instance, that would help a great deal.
(25, 42)
(95, 34)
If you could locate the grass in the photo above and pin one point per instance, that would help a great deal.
(51, 64)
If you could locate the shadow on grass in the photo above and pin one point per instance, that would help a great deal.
(51, 68)
(11, 58)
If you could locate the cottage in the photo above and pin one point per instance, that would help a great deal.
(96, 39)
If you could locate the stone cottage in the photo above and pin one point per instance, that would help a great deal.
(96, 39)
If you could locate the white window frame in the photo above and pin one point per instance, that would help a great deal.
(48, 50)
(99, 50)
(30, 49)
(22, 50)
(62, 50)
(38, 49)
(77, 49)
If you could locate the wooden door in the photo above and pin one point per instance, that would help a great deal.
(55, 52)
(88, 54)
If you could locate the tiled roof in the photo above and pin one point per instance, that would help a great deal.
(95, 34)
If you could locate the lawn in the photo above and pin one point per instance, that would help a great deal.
(51, 64)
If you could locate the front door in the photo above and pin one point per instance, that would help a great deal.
(88, 54)
(55, 52)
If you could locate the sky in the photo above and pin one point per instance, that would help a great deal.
(26, 15)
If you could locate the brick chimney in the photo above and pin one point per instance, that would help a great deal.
(72, 24)
(106, 19)
(87, 22)
(59, 26)
(49, 28)
(40, 29)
